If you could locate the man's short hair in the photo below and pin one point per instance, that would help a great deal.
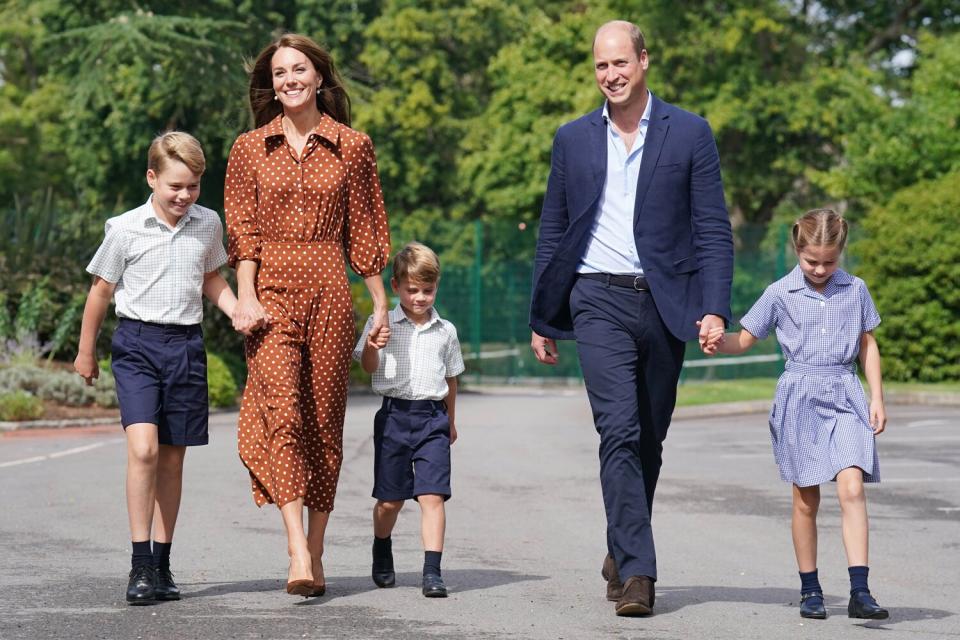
(416, 262)
(636, 36)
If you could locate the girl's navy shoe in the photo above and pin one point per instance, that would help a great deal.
(863, 605)
(811, 606)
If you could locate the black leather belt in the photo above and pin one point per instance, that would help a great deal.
(637, 283)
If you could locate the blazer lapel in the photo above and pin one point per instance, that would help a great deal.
(652, 145)
(596, 146)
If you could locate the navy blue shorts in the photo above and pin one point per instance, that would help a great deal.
(411, 440)
(161, 376)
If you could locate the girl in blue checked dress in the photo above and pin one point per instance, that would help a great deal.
(821, 425)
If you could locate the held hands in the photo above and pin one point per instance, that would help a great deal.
(379, 334)
(711, 334)
(249, 316)
(545, 349)
(86, 365)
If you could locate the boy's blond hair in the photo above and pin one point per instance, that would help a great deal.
(416, 262)
(176, 145)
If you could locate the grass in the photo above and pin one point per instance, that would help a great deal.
(699, 392)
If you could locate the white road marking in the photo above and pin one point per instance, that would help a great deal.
(927, 423)
(60, 454)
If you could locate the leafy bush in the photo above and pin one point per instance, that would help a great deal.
(221, 386)
(910, 260)
(58, 385)
(20, 405)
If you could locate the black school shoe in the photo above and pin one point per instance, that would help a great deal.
(382, 571)
(863, 605)
(433, 586)
(166, 588)
(811, 606)
(142, 587)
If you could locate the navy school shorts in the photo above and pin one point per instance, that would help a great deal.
(411, 440)
(161, 377)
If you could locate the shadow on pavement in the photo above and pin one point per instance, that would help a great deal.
(676, 598)
(457, 580)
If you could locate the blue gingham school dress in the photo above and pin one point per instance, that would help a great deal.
(820, 421)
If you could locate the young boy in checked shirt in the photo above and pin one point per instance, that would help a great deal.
(158, 261)
(415, 367)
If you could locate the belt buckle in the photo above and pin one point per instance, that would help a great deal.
(638, 283)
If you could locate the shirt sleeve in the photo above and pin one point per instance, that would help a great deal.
(453, 358)
(870, 317)
(762, 315)
(362, 340)
(111, 258)
(366, 236)
(240, 204)
(216, 256)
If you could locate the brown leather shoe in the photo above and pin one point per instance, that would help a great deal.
(609, 573)
(638, 597)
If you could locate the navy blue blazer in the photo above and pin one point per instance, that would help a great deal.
(680, 222)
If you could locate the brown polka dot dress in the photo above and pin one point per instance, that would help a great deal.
(300, 219)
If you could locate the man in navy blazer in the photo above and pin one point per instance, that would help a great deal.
(635, 252)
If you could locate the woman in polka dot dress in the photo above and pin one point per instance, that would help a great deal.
(301, 197)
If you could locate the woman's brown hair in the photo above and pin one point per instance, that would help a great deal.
(332, 98)
(820, 228)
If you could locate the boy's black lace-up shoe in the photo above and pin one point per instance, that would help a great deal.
(433, 586)
(142, 587)
(166, 588)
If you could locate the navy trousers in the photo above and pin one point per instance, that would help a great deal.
(631, 364)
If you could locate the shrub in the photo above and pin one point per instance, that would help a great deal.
(910, 260)
(20, 405)
(221, 386)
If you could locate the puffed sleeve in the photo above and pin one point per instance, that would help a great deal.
(366, 235)
(869, 317)
(240, 204)
(762, 315)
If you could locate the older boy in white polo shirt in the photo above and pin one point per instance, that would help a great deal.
(414, 367)
(158, 261)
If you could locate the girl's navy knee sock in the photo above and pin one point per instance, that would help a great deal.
(858, 579)
(809, 582)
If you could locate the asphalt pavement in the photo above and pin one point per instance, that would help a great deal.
(525, 536)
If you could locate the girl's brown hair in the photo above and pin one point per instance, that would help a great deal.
(332, 98)
(820, 228)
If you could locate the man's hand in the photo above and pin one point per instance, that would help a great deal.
(713, 341)
(708, 326)
(545, 349)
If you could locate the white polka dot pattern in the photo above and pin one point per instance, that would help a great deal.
(299, 218)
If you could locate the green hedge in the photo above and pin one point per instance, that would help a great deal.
(221, 387)
(910, 259)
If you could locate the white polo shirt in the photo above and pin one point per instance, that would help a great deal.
(418, 358)
(158, 270)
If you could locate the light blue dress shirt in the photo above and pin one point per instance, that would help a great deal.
(612, 248)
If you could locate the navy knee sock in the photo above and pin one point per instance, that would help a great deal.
(809, 582)
(142, 556)
(431, 562)
(161, 554)
(858, 579)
